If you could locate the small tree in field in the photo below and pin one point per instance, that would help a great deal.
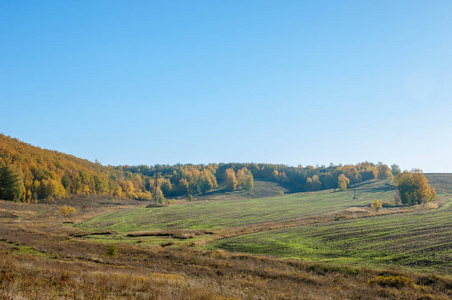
(67, 210)
(376, 204)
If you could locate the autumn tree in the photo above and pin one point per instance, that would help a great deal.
(183, 186)
(230, 179)
(245, 179)
(159, 197)
(351, 173)
(384, 172)
(413, 188)
(308, 184)
(343, 182)
(316, 184)
(376, 205)
(313, 184)
(367, 170)
(51, 174)
(67, 210)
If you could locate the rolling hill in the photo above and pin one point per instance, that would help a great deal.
(51, 174)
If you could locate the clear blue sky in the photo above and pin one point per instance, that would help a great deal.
(294, 82)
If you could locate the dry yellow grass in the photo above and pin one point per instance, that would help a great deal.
(40, 259)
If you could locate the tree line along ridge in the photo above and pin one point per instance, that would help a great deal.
(29, 173)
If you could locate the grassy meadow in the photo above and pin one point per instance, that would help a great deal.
(420, 240)
(239, 212)
(327, 226)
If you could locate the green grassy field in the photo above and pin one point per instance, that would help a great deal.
(420, 240)
(238, 212)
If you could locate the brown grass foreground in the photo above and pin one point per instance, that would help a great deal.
(189, 274)
(40, 259)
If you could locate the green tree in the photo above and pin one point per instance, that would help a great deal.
(312, 184)
(11, 183)
(205, 184)
(66, 182)
(327, 180)
(167, 187)
(183, 186)
(395, 170)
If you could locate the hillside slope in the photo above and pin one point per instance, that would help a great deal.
(240, 212)
(45, 174)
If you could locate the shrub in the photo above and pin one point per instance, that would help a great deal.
(376, 205)
(67, 210)
(111, 250)
(391, 281)
(338, 218)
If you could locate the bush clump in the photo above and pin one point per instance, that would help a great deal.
(111, 250)
(392, 281)
(67, 210)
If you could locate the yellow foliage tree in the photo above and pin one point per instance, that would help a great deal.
(343, 182)
(376, 205)
(384, 172)
(245, 179)
(231, 181)
(414, 188)
(67, 210)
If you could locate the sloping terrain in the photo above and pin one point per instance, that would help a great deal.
(47, 174)
(420, 239)
(240, 212)
(262, 189)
